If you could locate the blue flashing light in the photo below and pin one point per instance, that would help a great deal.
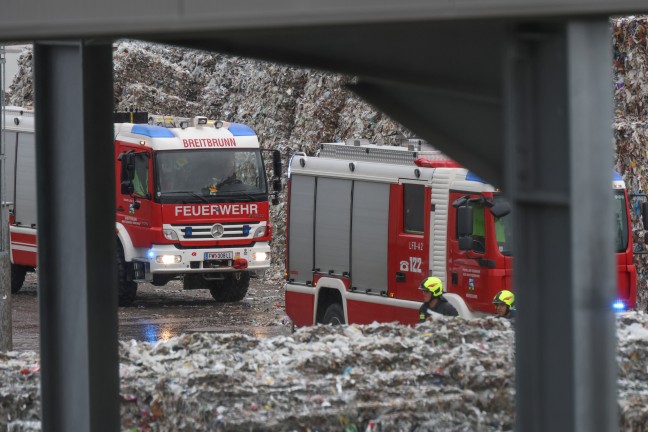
(246, 229)
(472, 177)
(238, 129)
(150, 254)
(151, 333)
(188, 231)
(152, 131)
(618, 305)
(616, 176)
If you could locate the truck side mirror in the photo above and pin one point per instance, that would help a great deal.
(127, 187)
(276, 163)
(500, 209)
(465, 243)
(464, 221)
(276, 185)
(127, 172)
(461, 201)
(644, 214)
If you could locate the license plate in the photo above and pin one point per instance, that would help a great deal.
(218, 255)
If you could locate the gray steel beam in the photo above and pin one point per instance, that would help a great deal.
(594, 284)
(407, 52)
(559, 162)
(467, 126)
(76, 236)
(6, 342)
(125, 18)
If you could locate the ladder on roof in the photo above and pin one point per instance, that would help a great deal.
(360, 150)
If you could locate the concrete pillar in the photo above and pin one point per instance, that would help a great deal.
(6, 342)
(5, 270)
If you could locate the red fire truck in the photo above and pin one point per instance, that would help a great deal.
(367, 223)
(191, 201)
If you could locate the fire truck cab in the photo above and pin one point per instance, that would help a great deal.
(191, 202)
(367, 223)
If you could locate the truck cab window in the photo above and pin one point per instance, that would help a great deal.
(504, 231)
(620, 221)
(141, 177)
(479, 235)
(413, 208)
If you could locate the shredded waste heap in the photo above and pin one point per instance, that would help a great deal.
(450, 374)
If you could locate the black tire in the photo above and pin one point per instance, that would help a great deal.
(334, 315)
(232, 289)
(17, 277)
(127, 289)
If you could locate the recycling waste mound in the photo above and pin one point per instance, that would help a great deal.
(451, 374)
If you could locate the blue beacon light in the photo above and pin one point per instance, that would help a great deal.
(618, 305)
(150, 254)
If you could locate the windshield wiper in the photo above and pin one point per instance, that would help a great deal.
(239, 196)
(192, 193)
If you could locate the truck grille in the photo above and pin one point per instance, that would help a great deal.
(202, 232)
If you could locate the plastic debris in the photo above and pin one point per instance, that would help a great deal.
(373, 377)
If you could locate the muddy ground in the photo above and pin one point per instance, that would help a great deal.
(160, 313)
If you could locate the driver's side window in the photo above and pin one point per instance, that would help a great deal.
(479, 232)
(141, 175)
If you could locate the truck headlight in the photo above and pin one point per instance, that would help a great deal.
(170, 234)
(260, 231)
(260, 256)
(168, 259)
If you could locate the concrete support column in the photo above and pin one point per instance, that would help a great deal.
(6, 340)
(76, 236)
(6, 343)
(558, 112)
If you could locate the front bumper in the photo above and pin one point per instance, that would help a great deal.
(193, 260)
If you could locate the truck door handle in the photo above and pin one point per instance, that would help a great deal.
(400, 277)
(120, 208)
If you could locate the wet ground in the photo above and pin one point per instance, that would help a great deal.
(160, 313)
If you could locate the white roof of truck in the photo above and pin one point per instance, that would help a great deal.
(229, 135)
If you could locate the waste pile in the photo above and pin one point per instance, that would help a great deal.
(449, 374)
(630, 67)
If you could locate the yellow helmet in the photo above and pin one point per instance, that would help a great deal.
(432, 284)
(504, 297)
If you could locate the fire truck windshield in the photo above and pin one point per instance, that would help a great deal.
(504, 231)
(620, 221)
(183, 175)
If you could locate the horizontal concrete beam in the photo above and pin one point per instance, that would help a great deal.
(48, 19)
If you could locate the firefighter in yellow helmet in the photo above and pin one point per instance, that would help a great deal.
(504, 303)
(433, 300)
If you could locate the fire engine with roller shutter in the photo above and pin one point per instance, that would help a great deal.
(367, 223)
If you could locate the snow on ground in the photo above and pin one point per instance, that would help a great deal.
(450, 374)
